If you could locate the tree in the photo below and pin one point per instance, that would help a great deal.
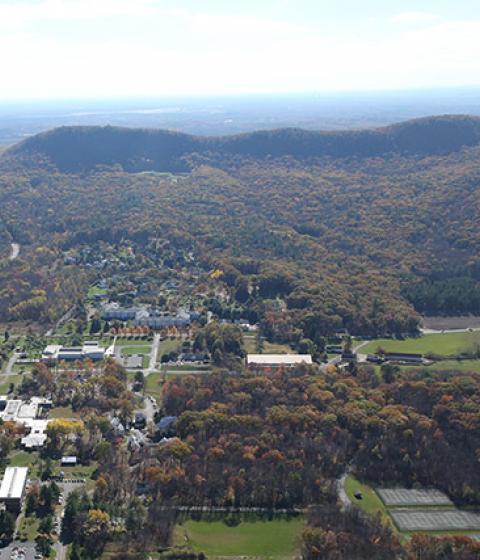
(7, 525)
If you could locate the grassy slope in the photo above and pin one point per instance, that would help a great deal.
(278, 538)
(441, 344)
(370, 503)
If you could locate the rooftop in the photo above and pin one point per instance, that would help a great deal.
(279, 359)
(13, 482)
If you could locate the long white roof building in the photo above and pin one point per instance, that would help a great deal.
(13, 483)
(277, 360)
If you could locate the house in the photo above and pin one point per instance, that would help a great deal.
(117, 426)
(403, 357)
(69, 461)
(140, 421)
(349, 356)
(277, 360)
(12, 489)
(166, 427)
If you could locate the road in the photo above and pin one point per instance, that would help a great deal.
(446, 331)
(15, 251)
(152, 366)
(342, 495)
(11, 362)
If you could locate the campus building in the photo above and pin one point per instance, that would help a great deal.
(277, 360)
(12, 489)
(55, 353)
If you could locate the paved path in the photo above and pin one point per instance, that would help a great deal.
(342, 495)
(62, 320)
(11, 362)
(446, 331)
(152, 366)
(15, 251)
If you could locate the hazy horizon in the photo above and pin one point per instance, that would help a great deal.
(230, 114)
(84, 49)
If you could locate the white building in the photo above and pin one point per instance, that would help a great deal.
(30, 415)
(12, 488)
(278, 360)
(55, 353)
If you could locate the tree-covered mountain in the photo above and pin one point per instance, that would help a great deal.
(350, 230)
(73, 149)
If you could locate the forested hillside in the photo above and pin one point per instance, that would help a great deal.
(74, 149)
(347, 229)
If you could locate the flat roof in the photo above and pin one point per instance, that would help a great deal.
(13, 482)
(279, 359)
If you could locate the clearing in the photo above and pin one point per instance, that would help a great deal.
(447, 344)
(266, 539)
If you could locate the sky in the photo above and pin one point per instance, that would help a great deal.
(61, 49)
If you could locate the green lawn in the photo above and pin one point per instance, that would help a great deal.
(63, 412)
(250, 344)
(187, 367)
(79, 471)
(152, 386)
(276, 538)
(5, 381)
(28, 529)
(138, 349)
(370, 503)
(447, 344)
(168, 345)
(133, 342)
(22, 458)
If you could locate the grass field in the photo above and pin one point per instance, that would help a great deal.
(261, 539)
(152, 386)
(370, 503)
(250, 344)
(167, 345)
(63, 412)
(447, 344)
(5, 381)
(138, 349)
(29, 528)
(466, 366)
(22, 459)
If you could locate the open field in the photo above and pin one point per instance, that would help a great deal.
(6, 380)
(370, 503)
(261, 539)
(438, 516)
(250, 344)
(22, 458)
(138, 349)
(152, 385)
(447, 344)
(63, 412)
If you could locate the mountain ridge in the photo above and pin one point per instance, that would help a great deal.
(82, 148)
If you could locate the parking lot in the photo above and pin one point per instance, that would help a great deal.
(19, 551)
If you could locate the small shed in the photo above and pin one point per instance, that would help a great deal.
(69, 461)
